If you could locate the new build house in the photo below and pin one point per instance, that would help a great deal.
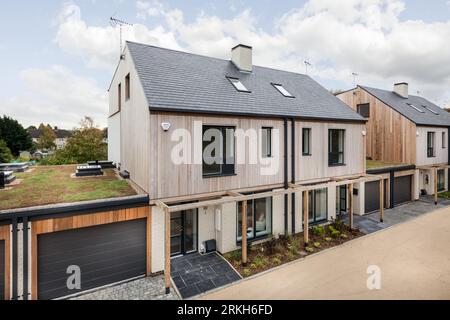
(299, 141)
(405, 129)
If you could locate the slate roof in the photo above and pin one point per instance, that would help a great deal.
(179, 81)
(59, 133)
(400, 104)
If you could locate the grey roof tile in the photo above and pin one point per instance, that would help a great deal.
(179, 81)
(400, 104)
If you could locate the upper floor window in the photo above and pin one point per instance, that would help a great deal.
(431, 139)
(444, 141)
(127, 87)
(306, 141)
(266, 143)
(282, 90)
(119, 96)
(218, 150)
(363, 110)
(336, 145)
(238, 85)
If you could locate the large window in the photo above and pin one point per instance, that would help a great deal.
(259, 218)
(431, 139)
(306, 141)
(218, 150)
(266, 143)
(364, 110)
(441, 180)
(318, 208)
(336, 146)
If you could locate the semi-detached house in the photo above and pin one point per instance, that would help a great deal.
(308, 137)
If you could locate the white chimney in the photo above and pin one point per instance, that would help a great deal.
(401, 89)
(241, 56)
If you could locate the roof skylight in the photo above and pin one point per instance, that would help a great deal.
(415, 108)
(431, 110)
(238, 85)
(282, 90)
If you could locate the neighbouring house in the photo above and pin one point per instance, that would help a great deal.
(405, 129)
(162, 98)
(60, 134)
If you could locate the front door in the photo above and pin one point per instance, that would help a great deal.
(183, 232)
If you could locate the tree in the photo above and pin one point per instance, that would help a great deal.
(5, 153)
(16, 137)
(85, 144)
(47, 139)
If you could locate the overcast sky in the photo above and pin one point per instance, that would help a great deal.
(58, 57)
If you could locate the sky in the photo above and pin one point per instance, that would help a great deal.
(58, 57)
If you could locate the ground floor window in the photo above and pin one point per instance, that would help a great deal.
(441, 180)
(259, 218)
(318, 205)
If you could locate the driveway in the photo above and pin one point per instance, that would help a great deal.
(413, 257)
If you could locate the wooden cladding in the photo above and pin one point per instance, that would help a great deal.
(84, 221)
(5, 236)
(390, 136)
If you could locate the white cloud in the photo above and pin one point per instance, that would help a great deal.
(57, 96)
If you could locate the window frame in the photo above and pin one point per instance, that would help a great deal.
(415, 108)
(253, 238)
(231, 79)
(330, 153)
(268, 142)
(308, 153)
(127, 87)
(431, 150)
(444, 138)
(279, 87)
(358, 109)
(226, 169)
(119, 96)
(312, 206)
(441, 174)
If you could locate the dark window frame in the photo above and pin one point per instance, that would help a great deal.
(127, 87)
(254, 237)
(331, 154)
(306, 152)
(119, 96)
(441, 180)
(363, 114)
(312, 207)
(238, 90)
(431, 143)
(277, 85)
(226, 169)
(444, 138)
(268, 142)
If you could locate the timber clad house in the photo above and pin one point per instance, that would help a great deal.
(405, 129)
(321, 168)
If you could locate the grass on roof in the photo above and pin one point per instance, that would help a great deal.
(51, 185)
(374, 164)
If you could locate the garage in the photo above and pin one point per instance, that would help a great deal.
(105, 254)
(2, 270)
(372, 196)
(402, 190)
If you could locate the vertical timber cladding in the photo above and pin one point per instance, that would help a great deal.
(105, 247)
(5, 262)
(2, 269)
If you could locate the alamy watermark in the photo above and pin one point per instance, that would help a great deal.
(374, 279)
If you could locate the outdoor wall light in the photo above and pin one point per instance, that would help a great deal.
(364, 133)
(418, 133)
(165, 126)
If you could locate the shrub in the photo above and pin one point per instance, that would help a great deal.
(260, 262)
(246, 272)
(235, 255)
(276, 261)
(318, 230)
(317, 244)
(344, 236)
(328, 239)
(270, 246)
(253, 266)
(335, 233)
(309, 249)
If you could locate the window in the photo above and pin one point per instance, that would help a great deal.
(336, 147)
(430, 144)
(259, 219)
(444, 142)
(266, 142)
(306, 141)
(238, 85)
(218, 150)
(415, 108)
(364, 110)
(282, 90)
(441, 180)
(119, 96)
(127, 87)
(432, 111)
(318, 205)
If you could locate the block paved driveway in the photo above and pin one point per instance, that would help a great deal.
(413, 257)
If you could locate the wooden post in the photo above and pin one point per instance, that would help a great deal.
(244, 232)
(167, 251)
(435, 187)
(382, 200)
(306, 217)
(350, 206)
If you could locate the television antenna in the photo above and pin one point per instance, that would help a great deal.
(121, 23)
(307, 64)
(354, 75)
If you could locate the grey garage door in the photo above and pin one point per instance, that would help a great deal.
(104, 254)
(402, 190)
(2, 269)
(372, 196)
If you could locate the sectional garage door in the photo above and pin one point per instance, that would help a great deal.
(372, 196)
(402, 190)
(104, 254)
(2, 269)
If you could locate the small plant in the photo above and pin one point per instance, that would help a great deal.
(270, 246)
(318, 230)
(344, 236)
(334, 232)
(246, 272)
(235, 255)
(328, 239)
(276, 261)
(309, 249)
(290, 255)
(253, 266)
(260, 262)
(317, 244)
